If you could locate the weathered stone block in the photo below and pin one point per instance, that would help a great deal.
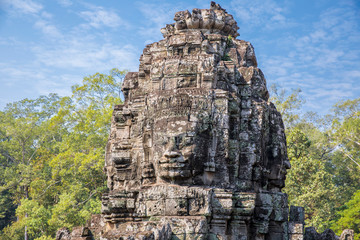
(296, 228)
(296, 236)
(176, 207)
(297, 214)
(280, 214)
(155, 208)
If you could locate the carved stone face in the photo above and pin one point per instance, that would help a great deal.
(208, 17)
(180, 153)
(278, 171)
(194, 22)
(180, 20)
(219, 20)
(283, 171)
(175, 156)
(180, 142)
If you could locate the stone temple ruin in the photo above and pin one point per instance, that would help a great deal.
(196, 151)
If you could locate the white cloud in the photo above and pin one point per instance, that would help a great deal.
(16, 75)
(65, 3)
(54, 66)
(324, 61)
(42, 19)
(331, 41)
(263, 13)
(327, 57)
(47, 28)
(352, 74)
(22, 6)
(46, 15)
(157, 16)
(99, 17)
(84, 53)
(57, 84)
(34, 81)
(338, 22)
(330, 94)
(10, 41)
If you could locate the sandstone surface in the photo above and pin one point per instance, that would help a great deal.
(196, 151)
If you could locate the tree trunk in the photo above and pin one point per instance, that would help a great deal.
(26, 215)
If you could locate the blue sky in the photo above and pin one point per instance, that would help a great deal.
(49, 45)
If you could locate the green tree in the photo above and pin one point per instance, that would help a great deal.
(321, 179)
(52, 149)
(23, 127)
(288, 104)
(345, 165)
(308, 183)
(84, 121)
(346, 130)
(349, 216)
(7, 208)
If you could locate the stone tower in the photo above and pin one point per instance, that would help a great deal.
(196, 151)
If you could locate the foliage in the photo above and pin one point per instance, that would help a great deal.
(308, 183)
(229, 41)
(7, 210)
(324, 153)
(346, 165)
(350, 216)
(287, 104)
(226, 57)
(52, 156)
(346, 129)
(52, 150)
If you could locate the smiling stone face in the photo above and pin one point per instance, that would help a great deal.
(180, 157)
(208, 18)
(180, 20)
(180, 140)
(175, 157)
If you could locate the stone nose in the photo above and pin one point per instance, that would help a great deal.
(173, 145)
(171, 154)
(287, 164)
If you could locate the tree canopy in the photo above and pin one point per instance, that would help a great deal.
(52, 158)
(325, 159)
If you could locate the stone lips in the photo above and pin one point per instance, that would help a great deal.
(196, 151)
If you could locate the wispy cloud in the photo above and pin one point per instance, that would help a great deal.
(99, 17)
(65, 3)
(158, 15)
(332, 42)
(15, 74)
(156, 18)
(64, 55)
(42, 81)
(87, 55)
(41, 18)
(22, 6)
(265, 13)
(47, 28)
(320, 59)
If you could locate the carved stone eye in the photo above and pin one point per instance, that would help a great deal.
(187, 141)
(119, 118)
(164, 141)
